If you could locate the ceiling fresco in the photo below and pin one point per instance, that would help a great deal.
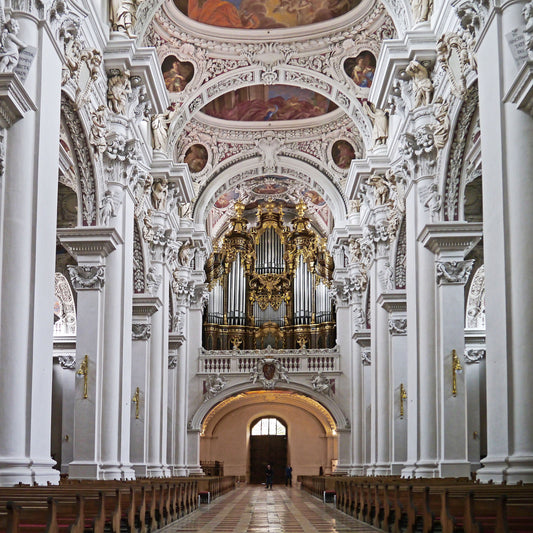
(268, 103)
(264, 14)
(285, 191)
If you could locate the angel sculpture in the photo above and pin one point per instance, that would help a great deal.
(10, 44)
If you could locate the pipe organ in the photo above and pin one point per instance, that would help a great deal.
(269, 284)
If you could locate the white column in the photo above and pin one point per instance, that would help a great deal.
(450, 241)
(507, 158)
(358, 406)
(345, 388)
(395, 304)
(116, 364)
(91, 247)
(420, 279)
(194, 344)
(144, 307)
(28, 220)
(158, 389)
(380, 368)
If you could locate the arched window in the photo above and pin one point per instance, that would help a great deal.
(269, 426)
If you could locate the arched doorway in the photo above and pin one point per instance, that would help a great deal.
(268, 445)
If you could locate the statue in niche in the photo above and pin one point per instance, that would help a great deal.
(421, 10)
(381, 189)
(442, 128)
(380, 123)
(98, 131)
(123, 15)
(118, 90)
(422, 85)
(10, 44)
(107, 208)
(186, 253)
(159, 194)
(160, 124)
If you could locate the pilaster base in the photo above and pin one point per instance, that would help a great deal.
(81, 470)
(179, 471)
(426, 469)
(155, 471)
(408, 470)
(141, 470)
(127, 472)
(396, 469)
(520, 469)
(14, 471)
(112, 472)
(494, 469)
(382, 469)
(454, 469)
(195, 470)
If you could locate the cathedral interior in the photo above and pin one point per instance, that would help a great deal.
(286, 231)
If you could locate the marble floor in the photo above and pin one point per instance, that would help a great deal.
(252, 509)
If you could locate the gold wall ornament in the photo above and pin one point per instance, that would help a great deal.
(236, 343)
(84, 371)
(136, 400)
(456, 369)
(403, 397)
(302, 341)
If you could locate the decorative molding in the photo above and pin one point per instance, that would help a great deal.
(398, 326)
(473, 356)
(366, 358)
(269, 371)
(453, 272)
(172, 362)
(87, 277)
(141, 332)
(213, 385)
(15, 102)
(67, 362)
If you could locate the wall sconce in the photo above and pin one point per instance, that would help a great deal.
(456, 369)
(136, 400)
(84, 371)
(403, 396)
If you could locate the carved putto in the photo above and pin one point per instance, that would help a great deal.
(186, 253)
(381, 187)
(10, 44)
(422, 85)
(322, 384)
(214, 385)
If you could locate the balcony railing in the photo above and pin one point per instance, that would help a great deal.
(245, 361)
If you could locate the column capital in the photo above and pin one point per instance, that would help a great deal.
(398, 326)
(15, 102)
(453, 272)
(145, 305)
(89, 242)
(87, 277)
(451, 238)
(393, 301)
(141, 332)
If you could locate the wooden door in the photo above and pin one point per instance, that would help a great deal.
(264, 450)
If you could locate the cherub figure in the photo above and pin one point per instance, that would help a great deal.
(10, 44)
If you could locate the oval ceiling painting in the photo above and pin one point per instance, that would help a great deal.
(263, 14)
(268, 103)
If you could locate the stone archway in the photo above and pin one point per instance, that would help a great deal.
(311, 432)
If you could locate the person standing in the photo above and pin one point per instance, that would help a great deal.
(269, 473)
(288, 476)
